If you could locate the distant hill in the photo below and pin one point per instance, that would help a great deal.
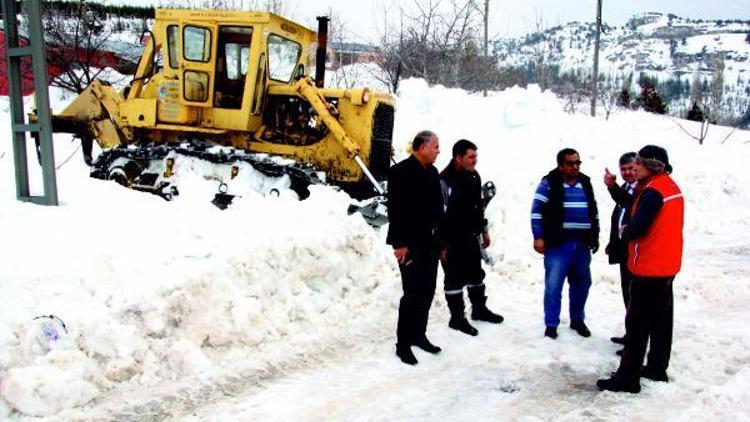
(673, 51)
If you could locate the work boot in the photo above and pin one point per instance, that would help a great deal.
(617, 384)
(479, 310)
(482, 313)
(580, 328)
(425, 345)
(550, 332)
(458, 319)
(462, 324)
(654, 374)
(405, 354)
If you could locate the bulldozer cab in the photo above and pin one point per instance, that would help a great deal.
(236, 80)
(218, 65)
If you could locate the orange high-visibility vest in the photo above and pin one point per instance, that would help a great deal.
(659, 252)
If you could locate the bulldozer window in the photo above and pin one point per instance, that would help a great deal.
(283, 55)
(196, 86)
(231, 68)
(196, 44)
(236, 60)
(172, 31)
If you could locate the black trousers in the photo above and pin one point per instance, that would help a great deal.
(625, 278)
(463, 264)
(649, 319)
(418, 279)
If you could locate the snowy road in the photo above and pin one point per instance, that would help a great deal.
(510, 372)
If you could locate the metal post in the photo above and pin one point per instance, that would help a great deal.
(595, 77)
(42, 128)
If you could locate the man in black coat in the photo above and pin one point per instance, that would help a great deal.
(616, 249)
(462, 224)
(415, 208)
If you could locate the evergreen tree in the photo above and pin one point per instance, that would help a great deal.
(696, 114)
(649, 99)
(623, 100)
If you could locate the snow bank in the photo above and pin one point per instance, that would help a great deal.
(155, 292)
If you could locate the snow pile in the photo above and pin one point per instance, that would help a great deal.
(174, 295)
(153, 290)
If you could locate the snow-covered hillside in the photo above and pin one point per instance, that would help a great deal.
(282, 310)
(663, 46)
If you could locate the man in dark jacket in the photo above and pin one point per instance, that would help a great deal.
(565, 224)
(415, 207)
(654, 236)
(462, 224)
(616, 249)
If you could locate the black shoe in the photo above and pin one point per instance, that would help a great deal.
(618, 340)
(462, 325)
(580, 328)
(620, 352)
(550, 332)
(428, 347)
(616, 384)
(406, 355)
(484, 314)
(654, 374)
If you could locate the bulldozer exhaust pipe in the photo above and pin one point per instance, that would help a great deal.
(320, 54)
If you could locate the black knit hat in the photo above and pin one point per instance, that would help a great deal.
(655, 158)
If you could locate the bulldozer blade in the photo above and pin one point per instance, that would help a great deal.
(373, 211)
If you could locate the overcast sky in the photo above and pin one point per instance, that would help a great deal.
(507, 17)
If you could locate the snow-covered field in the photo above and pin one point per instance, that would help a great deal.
(282, 310)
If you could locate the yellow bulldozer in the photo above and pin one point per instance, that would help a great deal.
(232, 87)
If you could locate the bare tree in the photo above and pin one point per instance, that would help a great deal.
(574, 94)
(278, 7)
(706, 106)
(541, 54)
(608, 94)
(339, 37)
(437, 40)
(716, 93)
(702, 131)
(75, 45)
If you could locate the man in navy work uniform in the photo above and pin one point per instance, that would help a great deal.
(462, 224)
(565, 224)
(415, 208)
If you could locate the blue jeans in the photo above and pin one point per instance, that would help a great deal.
(569, 259)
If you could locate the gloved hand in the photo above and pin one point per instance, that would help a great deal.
(594, 247)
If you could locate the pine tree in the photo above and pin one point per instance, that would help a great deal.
(649, 99)
(696, 114)
(623, 100)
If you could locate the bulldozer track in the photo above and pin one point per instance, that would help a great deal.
(301, 175)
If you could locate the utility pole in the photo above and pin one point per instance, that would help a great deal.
(595, 76)
(486, 32)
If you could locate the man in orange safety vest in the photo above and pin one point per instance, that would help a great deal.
(654, 236)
